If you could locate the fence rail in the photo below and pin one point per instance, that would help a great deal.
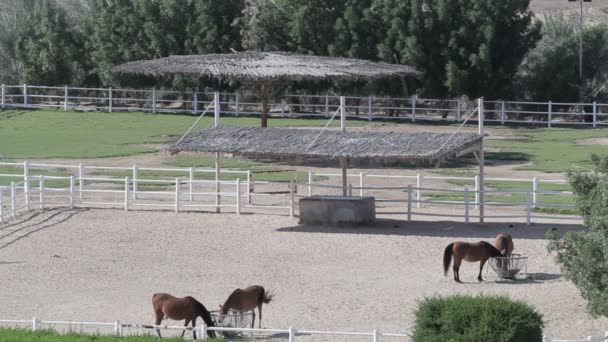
(368, 108)
(182, 189)
(291, 332)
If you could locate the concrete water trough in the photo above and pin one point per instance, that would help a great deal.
(325, 209)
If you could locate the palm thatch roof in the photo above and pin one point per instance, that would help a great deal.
(300, 144)
(255, 66)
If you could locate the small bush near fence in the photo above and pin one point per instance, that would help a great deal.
(472, 319)
(23, 335)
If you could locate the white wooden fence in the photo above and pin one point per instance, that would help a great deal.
(369, 108)
(291, 332)
(408, 196)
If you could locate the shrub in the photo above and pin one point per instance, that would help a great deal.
(471, 319)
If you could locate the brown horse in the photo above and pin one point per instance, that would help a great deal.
(188, 308)
(472, 252)
(504, 243)
(246, 299)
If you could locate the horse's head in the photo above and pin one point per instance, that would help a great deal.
(222, 313)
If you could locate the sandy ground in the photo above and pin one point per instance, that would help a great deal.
(104, 265)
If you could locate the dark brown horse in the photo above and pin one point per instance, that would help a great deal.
(472, 252)
(246, 299)
(188, 308)
(504, 243)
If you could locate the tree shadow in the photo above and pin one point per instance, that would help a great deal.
(440, 229)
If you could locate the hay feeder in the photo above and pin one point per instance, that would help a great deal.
(508, 267)
(233, 319)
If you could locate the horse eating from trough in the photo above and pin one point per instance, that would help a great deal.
(472, 252)
(504, 243)
(188, 308)
(246, 299)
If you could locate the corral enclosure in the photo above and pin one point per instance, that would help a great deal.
(104, 265)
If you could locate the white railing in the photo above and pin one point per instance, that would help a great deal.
(291, 332)
(203, 329)
(368, 108)
(410, 195)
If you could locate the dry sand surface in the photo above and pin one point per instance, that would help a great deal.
(104, 265)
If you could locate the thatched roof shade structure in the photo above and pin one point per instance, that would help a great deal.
(265, 68)
(423, 149)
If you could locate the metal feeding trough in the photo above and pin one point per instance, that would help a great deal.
(508, 267)
(233, 319)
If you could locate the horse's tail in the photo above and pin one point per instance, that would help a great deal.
(265, 296)
(447, 258)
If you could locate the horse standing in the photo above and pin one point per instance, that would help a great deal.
(504, 243)
(247, 299)
(188, 308)
(472, 252)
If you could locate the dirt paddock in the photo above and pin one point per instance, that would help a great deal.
(104, 265)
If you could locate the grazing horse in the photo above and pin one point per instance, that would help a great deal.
(188, 308)
(472, 252)
(504, 243)
(246, 299)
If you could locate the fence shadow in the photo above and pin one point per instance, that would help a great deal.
(441, 229)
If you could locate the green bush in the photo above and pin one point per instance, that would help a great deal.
(472, 319)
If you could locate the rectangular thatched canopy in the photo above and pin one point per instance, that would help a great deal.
(300, 144)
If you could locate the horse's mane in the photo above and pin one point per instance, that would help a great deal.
(231, 296)
(494, 252)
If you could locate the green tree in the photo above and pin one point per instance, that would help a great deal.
(357, 32)
(264, 25)
(215, 26)
(48, 50)
(583, 255)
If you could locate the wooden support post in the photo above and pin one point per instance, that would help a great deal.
(216, 109)
(110, 104)
(414, 99)
(344, 166)
(369, 108)
(65, 97)
(481, 162)
(342, 113)
(40, 192)
(549, 114)
(194, 103)
(3, 95)
(25, 105)
(217, 181)
(154, 100)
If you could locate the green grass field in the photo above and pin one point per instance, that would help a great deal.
(22, 335)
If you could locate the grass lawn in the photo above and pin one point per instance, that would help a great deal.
(69, 134)
(23, 335)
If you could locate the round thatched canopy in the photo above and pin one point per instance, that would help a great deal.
(251, 66)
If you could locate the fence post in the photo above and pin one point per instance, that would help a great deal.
(476, 192)
(34, 324)
(291, 198)
(282, 107)
(546, 339)
(40, 192)
(350, 190)
(534, 191)
(249, 186)
(594, 114)
(311, 176)
(502, 112)
(13, 200)
(361, 183)
(25, 95)
(65, 97)
(413, 99)
(80, 180)
(71, 191)
(458, 110)
(409, 203)
(177, 195)
(292, 334)
(418, 192)
(153, 100)
(369, 108)
(26, 183)
(126, 193)
(238, 196)
(1, 205)
(237, 104)
(528, 207)
(326, 106)
(377, 335)
(466, 204)
(110, 99)
(203, 331)
(342, 113)
(549, 114)
(194, 103)
(190, 186)
(117, 328)
(135, 183)
(3, 91)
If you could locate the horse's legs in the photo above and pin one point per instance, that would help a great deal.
(185, 325)
(260, 319)
(481, 263)
(159, 318)
(253, 318)
(456, 269)
(194, 328)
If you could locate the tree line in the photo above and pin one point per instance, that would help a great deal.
(495, 49)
